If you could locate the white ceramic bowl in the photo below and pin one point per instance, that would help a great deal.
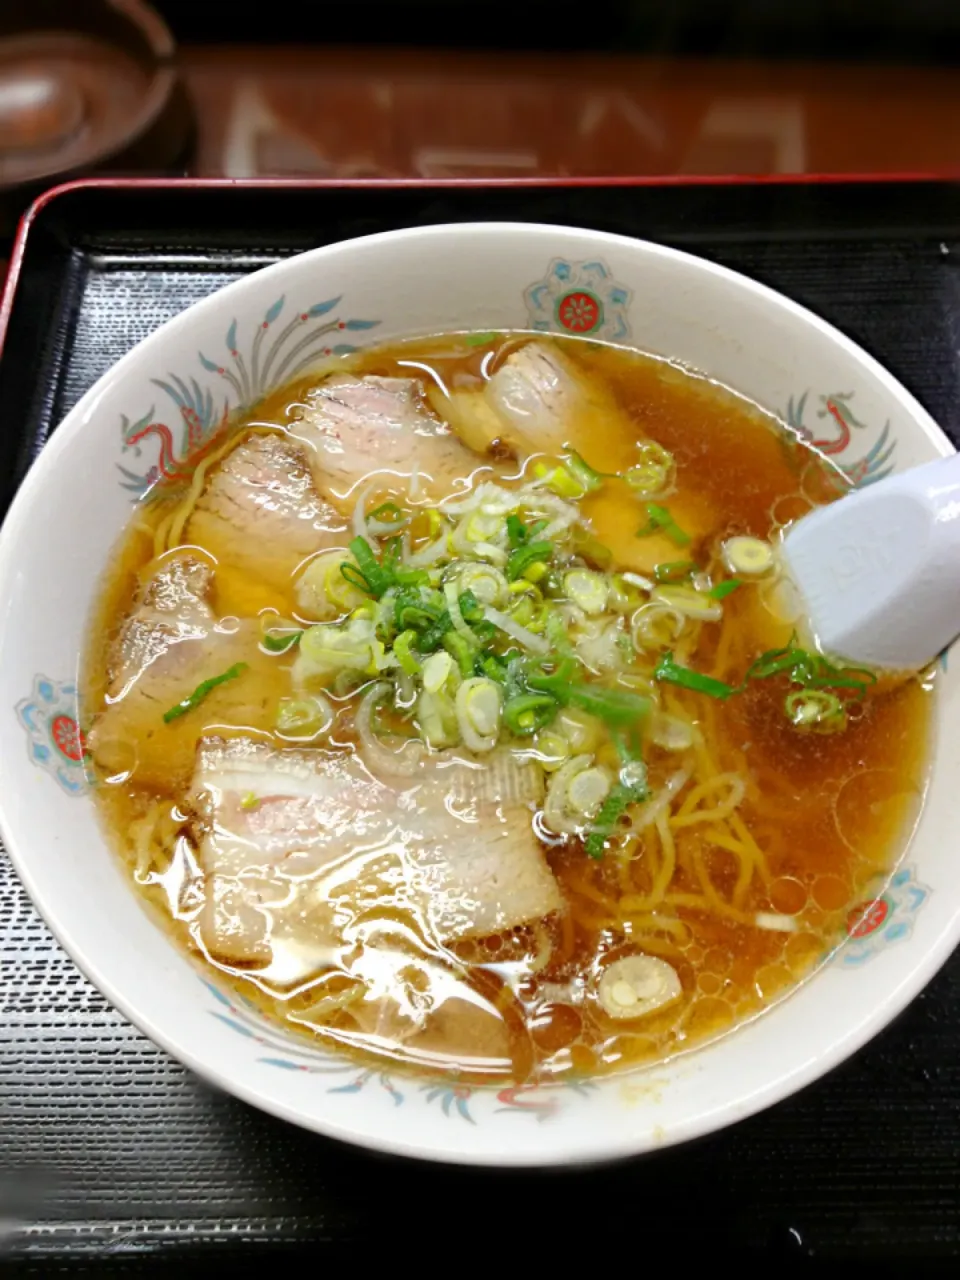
(226, 351)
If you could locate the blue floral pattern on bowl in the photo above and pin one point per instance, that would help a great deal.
(55, 741)
(579, 298)
(883, 921)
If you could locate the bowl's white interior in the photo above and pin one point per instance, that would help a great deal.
(56, 542)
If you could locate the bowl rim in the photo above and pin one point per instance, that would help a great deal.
(583, 1150)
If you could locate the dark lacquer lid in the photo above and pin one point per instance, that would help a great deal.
(85, 87)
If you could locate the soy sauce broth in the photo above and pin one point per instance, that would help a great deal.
(829, 813)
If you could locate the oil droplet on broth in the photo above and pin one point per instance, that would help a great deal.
(788, 895)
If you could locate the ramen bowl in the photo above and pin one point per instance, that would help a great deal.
(224, 354)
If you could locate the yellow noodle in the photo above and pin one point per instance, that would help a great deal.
(744, 855)
(698, 902)
(160, 533)
(544, 951)
(741, 830)
(654, 922)
(594, 922)
(658, 946)
(690, 814)
(587, 890)
(722, 655)
(669, 863)
(149, 850)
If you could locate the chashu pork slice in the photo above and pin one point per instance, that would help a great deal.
(357, 426)
(168, 645)
(260, 513)
(458, 852)
(538, 397)
(549, 403)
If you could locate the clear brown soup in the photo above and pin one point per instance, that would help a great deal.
(822, 820)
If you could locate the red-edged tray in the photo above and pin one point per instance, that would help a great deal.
(109, 1148)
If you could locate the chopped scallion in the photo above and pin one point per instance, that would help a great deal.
(611, 811)
(528, 554)
(461, 650)
(815, 709)
(388, 511)
(671, 672)
(403, 649)
(720, 590)
(659, 520)
(201, 691)
(673, 570)
(586, 476)
(528, 712)
(280, 641)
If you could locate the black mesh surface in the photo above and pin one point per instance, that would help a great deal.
(116, 1160)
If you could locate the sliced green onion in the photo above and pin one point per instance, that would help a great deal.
(560, 480)
(437, 718)
(809, 670)
(485, 583)
(504, 622)
(659, 520)
(432, 637)
(586, 545)
(616, 707)
(528, 712)
(403, 648)
(653, 471)
(688, 601)
(437, 670)
(587, 589)
(587, 790)
(671, 672)
(586, 476)
(461, 650)
(411, 577)
(201, 691)
(523, 557)
(721, 590)
(492, 666)
(516, 531)
(280, 641)
(557, 634)
(303, 717)
(377, 576)
(480, 339)
(355, 577)
(478, 704)
(452, 597)
(814, 708)
(611, 811)
(519, 533)
(750, 556)
(410, 609)
(388, 511)
(673, 570)
(775, 661)
(552, 750)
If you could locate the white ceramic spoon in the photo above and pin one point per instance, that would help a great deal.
(879, 570)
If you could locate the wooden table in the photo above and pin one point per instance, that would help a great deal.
(357, 113)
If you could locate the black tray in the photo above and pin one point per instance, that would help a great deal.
(116, 1160)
